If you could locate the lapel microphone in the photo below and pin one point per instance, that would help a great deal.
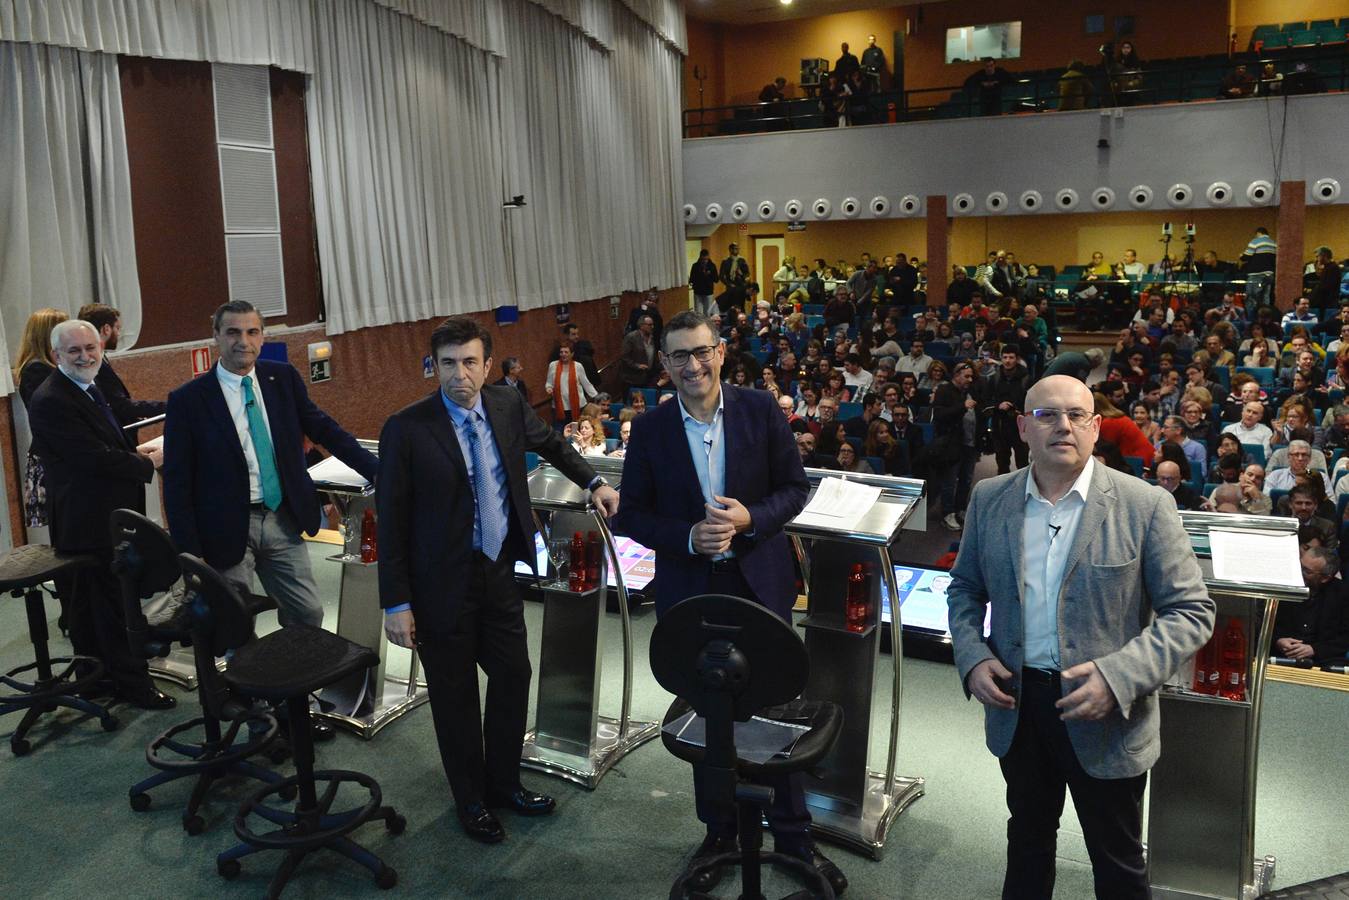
(1055, 529)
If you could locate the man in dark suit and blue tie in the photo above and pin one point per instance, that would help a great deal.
(236, 487)
(454, 516)
(708, 483)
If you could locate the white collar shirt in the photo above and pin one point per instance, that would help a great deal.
(1046, 539)
(231, 386)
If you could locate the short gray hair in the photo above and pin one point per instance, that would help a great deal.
(1329, 559)
(69, 325)
(1227, 493)
(1299, 445)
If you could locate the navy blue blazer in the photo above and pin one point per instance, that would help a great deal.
(206, 478)
(661, 499)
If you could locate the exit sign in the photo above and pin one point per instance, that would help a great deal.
(796, 226)
(201, 361)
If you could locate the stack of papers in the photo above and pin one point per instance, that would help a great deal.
(1255, 557)
(332, 471)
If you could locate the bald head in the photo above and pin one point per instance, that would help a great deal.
(1168, 475)
(1065, 390)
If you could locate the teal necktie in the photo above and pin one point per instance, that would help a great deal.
(262, 448)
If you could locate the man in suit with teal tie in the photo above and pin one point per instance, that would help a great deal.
(236, 487)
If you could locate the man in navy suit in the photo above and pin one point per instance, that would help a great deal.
(236, 488)
(454, 516)
(708, 483)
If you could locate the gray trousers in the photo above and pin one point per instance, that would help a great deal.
(277, 555)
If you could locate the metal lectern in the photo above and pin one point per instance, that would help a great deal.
(369, 700)
(570, 738)
(852, 802)
(1201, 808)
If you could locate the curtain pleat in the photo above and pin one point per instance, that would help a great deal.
(66, 237)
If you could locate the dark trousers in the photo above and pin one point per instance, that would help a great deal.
(957, 478)
(480, 750)
(787, 817)
(1007, 443)
(92, 601)
(1037, 768)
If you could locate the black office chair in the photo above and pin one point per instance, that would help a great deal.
(145, 562)
(707, 651)
(286, 665)
(45, 684)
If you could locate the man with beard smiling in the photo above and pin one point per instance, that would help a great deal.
(92, 469)
(708, 483)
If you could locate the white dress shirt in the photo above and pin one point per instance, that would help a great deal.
(1046, 539)
(232, 386)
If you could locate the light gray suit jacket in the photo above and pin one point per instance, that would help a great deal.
(1133, 601)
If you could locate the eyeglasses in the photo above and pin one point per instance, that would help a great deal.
(1048, 415)
(680, 358)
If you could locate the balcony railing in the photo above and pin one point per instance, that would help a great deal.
(1172, 81)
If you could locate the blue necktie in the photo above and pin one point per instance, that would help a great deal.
(262, 448)
(102, 403)
(486, 495)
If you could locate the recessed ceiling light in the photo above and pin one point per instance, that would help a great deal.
(785, 2)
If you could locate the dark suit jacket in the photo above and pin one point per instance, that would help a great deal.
(205, 475)
(634, 355)
(1322, 621)
(426, 506)
(662, 500)
(91, 469)
(519, 386)
(119, 398)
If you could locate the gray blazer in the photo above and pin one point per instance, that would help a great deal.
(1133, 601)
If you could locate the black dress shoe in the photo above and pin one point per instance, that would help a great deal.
(708, 878)
(821, 863)
(480, 824)
(150, 698)
(321, 731)
(523, 802)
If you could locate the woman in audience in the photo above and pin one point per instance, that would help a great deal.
(1255, 339)
(1169, 452)
(849, 461)
(1260, 356)
(32, 365)
(831, 438)
(936, 374)
(1338, 376)
(1295, 412)
(1225, 469)
(587, 438)
(1120, 430)
(1152, 431)
(740, 377)
(1198, 424)
(637, 402)
(946, 340)
(809, 407)
(967, 350)
(836, 388)
(880, 443)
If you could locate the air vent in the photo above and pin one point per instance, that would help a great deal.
(255, 271)
(248, 187)
(243, 105)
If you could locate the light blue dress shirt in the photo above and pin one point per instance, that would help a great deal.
(1046, 538)
(707, 446)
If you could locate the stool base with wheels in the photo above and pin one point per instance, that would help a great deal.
(287, 666)
(704, 650)
(46, 684)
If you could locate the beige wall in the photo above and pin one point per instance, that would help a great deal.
(1052, 239)
(1246, 14)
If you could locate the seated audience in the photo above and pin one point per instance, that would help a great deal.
(1252, 429)
(1299, 463)
(1316, 629)
(849, 460)
(1168, 477)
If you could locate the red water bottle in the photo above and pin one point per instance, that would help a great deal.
(855, 610)
(576, 567)
(593, 560)
(1232, 661)
(369, 539)
(1206, 668)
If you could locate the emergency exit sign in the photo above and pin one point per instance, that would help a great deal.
(201, 361)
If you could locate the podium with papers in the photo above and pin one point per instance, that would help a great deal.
(1201, 809)
(853, 521)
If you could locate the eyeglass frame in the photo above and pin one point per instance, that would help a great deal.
(702, 354)
(1086, 420)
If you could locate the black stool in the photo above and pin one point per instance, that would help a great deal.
(22, 572)
(287, 665)
(145, 562)
(729, 659)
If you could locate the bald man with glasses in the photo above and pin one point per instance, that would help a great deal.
(1096, 599)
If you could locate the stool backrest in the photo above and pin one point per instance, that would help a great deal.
(220, 623)
(145, 561)
(711, 647)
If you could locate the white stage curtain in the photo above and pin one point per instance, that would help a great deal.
(252, 32)
(66, 235)
(591, 138)
(405, 168)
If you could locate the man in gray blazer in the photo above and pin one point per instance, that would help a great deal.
(1096, 600)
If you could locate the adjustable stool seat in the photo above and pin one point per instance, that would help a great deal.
(45, 684)
(208, 747)
(287, 666)
(707, 651)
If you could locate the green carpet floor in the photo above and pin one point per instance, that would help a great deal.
(70, 833)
